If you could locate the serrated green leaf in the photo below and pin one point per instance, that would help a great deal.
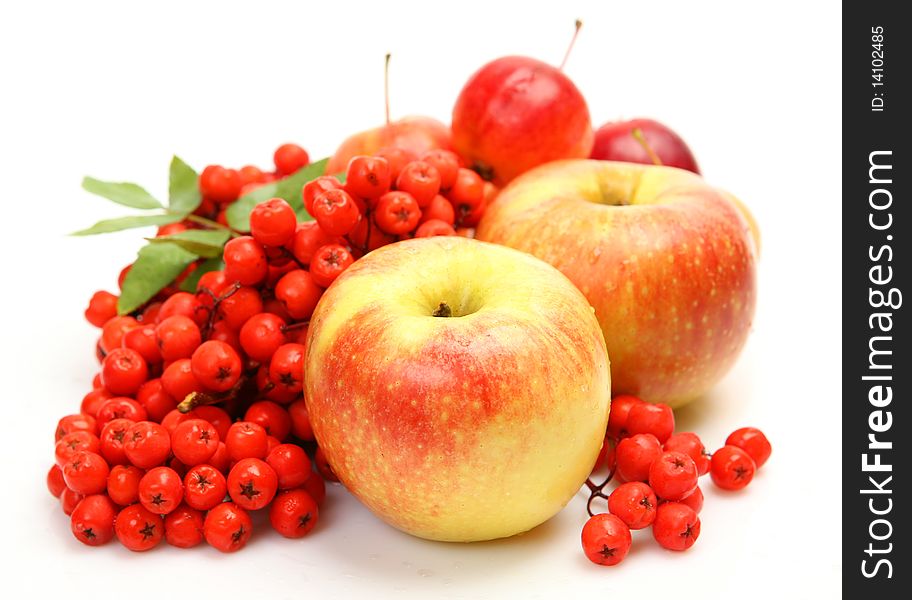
(155, 267)
(288, 189)
(131, 222)
(211, 264)
(183, 188)
(127, 194)
(204, 243)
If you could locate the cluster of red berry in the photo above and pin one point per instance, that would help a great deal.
(197, 414)
(142, 481)
(220, 186)
(395, 195)
(659, 470)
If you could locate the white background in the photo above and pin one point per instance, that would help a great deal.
(113, 90)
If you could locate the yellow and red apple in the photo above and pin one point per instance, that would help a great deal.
(414, 134)
(459, 389)
(666, 260)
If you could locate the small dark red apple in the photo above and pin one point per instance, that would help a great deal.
(617, 141)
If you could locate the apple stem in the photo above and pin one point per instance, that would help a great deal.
(443, 310)
(637, 134)
(576, 31)
(386, 91)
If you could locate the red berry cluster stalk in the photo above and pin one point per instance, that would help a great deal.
(658, 471)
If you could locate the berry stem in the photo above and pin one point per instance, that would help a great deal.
(367, 215)
(592, 497)
(576, 31)
(597, 491)
(637, 134)
(213, 310)
(211, 224)
(386, 93)
(195, 399)
(290, 255)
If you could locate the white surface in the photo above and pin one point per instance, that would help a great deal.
(112, 91)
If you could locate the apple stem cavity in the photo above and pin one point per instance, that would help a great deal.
(386, 92)
(637, 134)
(443, 310)
(578, 26)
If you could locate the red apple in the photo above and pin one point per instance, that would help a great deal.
(516, 113)
(667, 261)
(415, 134)
(459, 389)
(616, 141)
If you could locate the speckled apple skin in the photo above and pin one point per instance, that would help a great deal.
(473, 427)
(667, 261)
(416, 134)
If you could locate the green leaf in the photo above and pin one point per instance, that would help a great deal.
(132, 222)
(204, 243)
(128, 194)
(156, 266)
(211, 264)
(183, 188)
(303, 215)
(289, 189)
(238, 213)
